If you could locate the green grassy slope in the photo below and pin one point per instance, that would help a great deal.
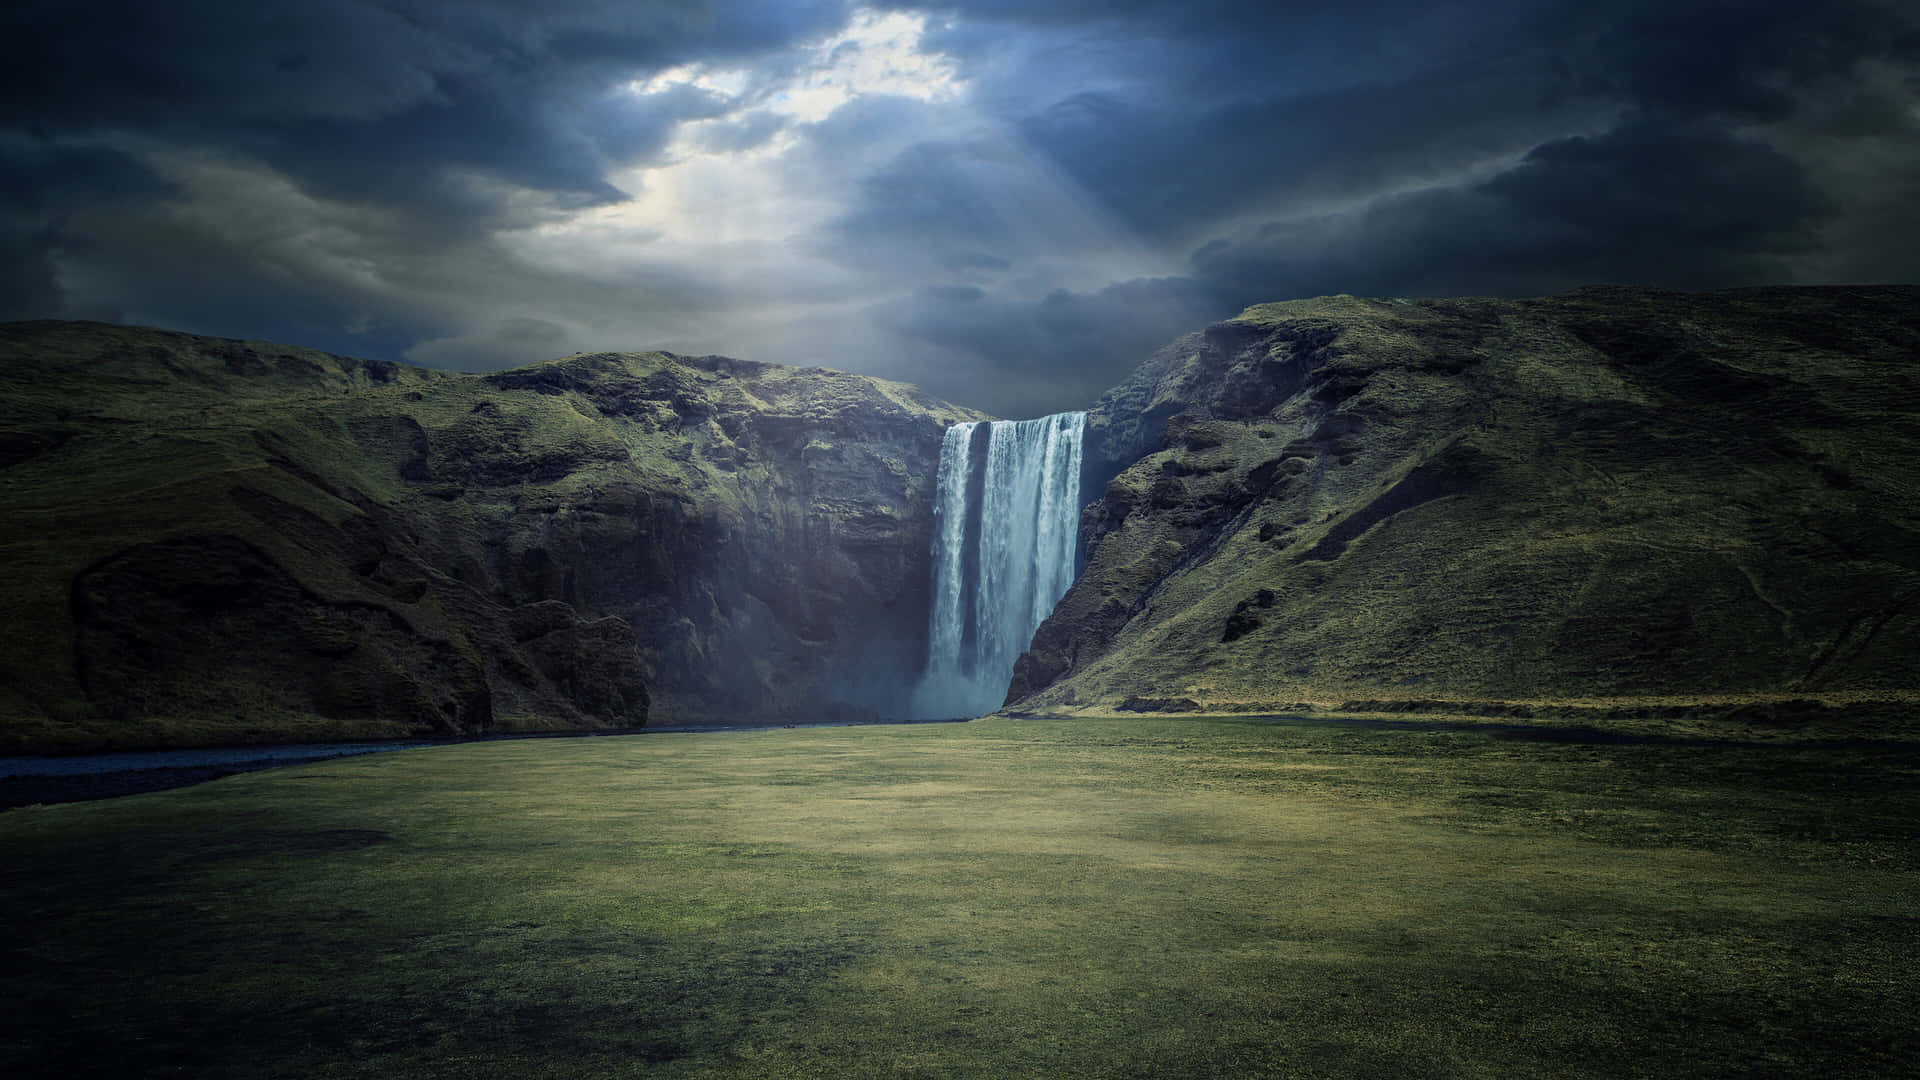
(1616, 494)
(210, 540)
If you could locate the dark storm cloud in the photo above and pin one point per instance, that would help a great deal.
(974, 261)
(41, 177)
(199, 64)
(1027, 357)
(1747, 61)
(1097, 177)
(915, 211)
(1694, 186)
(1180, 169)
(557, 139)
(506, 343)
(27, 286)
(1680, 207)
(1270, 94)
(1402, 149)
(432, 111)
(42, 185)
(1656, 193)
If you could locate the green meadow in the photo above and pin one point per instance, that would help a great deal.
(1143, 897)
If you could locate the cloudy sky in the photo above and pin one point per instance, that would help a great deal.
(1010, 202)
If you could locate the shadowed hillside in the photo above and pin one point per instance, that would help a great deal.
(210, 540)
(1615, 493)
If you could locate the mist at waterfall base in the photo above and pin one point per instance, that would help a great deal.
(1005, 539)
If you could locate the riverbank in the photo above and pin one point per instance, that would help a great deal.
(28, 780)
(42, 779)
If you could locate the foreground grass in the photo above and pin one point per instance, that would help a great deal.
(1059, 898)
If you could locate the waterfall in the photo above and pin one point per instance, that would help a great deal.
(1008, 511)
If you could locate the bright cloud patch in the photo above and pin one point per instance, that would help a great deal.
(852, 172)
(875, 54)
(732, 191)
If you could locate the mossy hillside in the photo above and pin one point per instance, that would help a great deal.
(431, 506)
(1203, 896)
(120, 436)
(1612, 494)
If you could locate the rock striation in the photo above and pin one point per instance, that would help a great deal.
(1612, 493)
(213, 541)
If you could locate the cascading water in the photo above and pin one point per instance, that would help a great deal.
(1008, 509)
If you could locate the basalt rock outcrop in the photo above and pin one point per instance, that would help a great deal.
(211, 541)
(1612, 493)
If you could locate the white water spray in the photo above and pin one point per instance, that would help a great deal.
(1003, 553)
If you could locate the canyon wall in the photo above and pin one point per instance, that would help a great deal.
(213, 541)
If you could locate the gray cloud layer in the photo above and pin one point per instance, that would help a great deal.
(1012, 211)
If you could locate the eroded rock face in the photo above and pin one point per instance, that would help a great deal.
(764, 530)
(213, 626)
(220, 540)
(1612, 492)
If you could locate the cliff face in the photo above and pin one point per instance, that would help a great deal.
(212, 540)
(1612, 492)
(768, 536)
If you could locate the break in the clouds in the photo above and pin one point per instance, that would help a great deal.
(1009, 203)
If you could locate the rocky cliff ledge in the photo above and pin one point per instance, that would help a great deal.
(1615, 492)
(212, 541)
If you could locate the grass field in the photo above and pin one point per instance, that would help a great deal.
(1056, 898)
